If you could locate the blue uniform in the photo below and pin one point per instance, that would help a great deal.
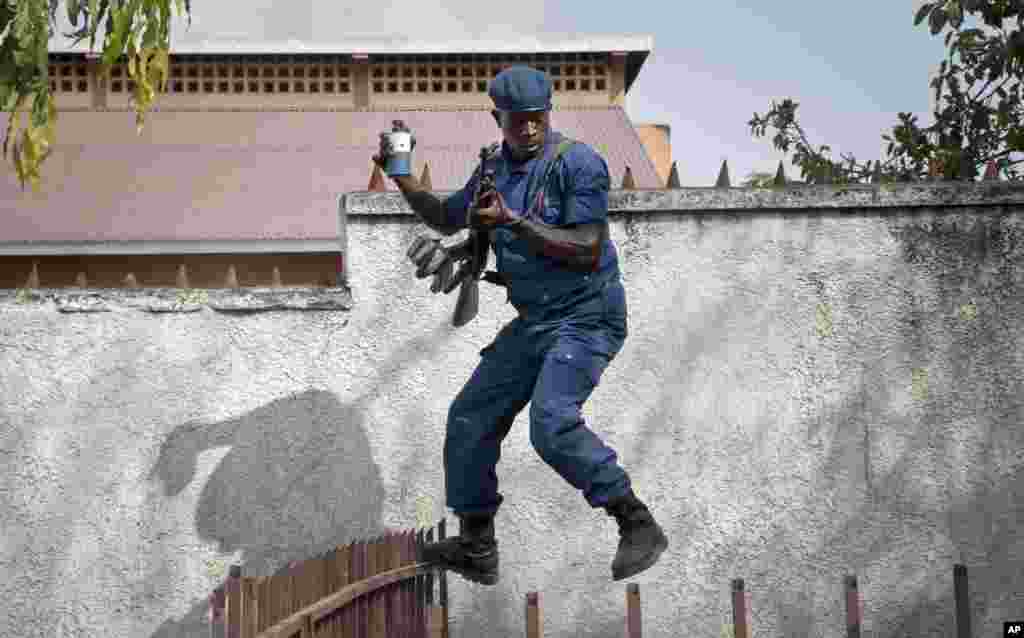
(570, 327)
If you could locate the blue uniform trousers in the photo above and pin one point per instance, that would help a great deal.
(551, 358)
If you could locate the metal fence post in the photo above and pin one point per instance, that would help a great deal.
(443, 583)
(852, 608)
(634, 628)
(739, 609)
(234, 602)
(963, 603)
(533, 615)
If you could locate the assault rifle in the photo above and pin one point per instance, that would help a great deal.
(473, 251)
(432, 258)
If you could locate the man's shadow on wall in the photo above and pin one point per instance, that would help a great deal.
(297, 480)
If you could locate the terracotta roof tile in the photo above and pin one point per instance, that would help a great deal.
(228, 175)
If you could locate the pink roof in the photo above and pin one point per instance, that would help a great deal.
(250, 175)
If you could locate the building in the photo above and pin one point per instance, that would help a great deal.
(244, 156)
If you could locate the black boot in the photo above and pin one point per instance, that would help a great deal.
(641, 540)
(473, 554)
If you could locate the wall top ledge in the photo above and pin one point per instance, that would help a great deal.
(175, 300)
(803, 197)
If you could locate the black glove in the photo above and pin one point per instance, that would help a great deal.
(431, 257)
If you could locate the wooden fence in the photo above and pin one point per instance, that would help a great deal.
(854, 608)
(741, 609)
(376, 589)
(633, 630)
(367, 589)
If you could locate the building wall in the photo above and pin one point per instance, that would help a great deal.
(657, 141)
(818, 381)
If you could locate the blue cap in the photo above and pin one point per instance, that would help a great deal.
(521, 88)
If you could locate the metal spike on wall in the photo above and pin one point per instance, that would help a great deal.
(876, 175)
(376, 180)
(968, 169)
(182, 281)
(780, 176)
(275, 278)
(627, 180)
(33, 277)
(231, 279)
(130, 281)
(723, 176)
(425, 177)
(991, 171)
(81, 281)
(673, 177)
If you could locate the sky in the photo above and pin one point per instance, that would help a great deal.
(852, 67)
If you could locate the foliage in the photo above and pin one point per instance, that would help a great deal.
(978, 107)
(757, 179)
(138, 30)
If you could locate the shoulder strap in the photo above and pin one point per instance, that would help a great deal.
(560, 150)
(563, 146)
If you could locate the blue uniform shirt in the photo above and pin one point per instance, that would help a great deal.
(576, 193)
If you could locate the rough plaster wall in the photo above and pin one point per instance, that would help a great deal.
(801, 397)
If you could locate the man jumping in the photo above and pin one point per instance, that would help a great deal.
(546, 218)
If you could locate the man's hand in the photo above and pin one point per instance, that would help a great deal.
(491, 211)
(385, 150)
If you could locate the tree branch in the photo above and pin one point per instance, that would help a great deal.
(1005, 153)
(1005, 80)
(976, 99)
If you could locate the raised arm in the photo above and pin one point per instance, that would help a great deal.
(429, 207)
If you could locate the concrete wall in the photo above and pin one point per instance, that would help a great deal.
(819, 381)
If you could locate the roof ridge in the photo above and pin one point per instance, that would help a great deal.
(454, 44)
(286, 108)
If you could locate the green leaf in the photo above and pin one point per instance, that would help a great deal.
(74, 10)
(118, 36)
(922, 12)
(6, 15)
(955, 14)
(165, 20)
(13, 122)
(150, 36)
(94, 10)
(937, 20)
(1015, 140)
(40, 108)
(19, 163)
(50, 132)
